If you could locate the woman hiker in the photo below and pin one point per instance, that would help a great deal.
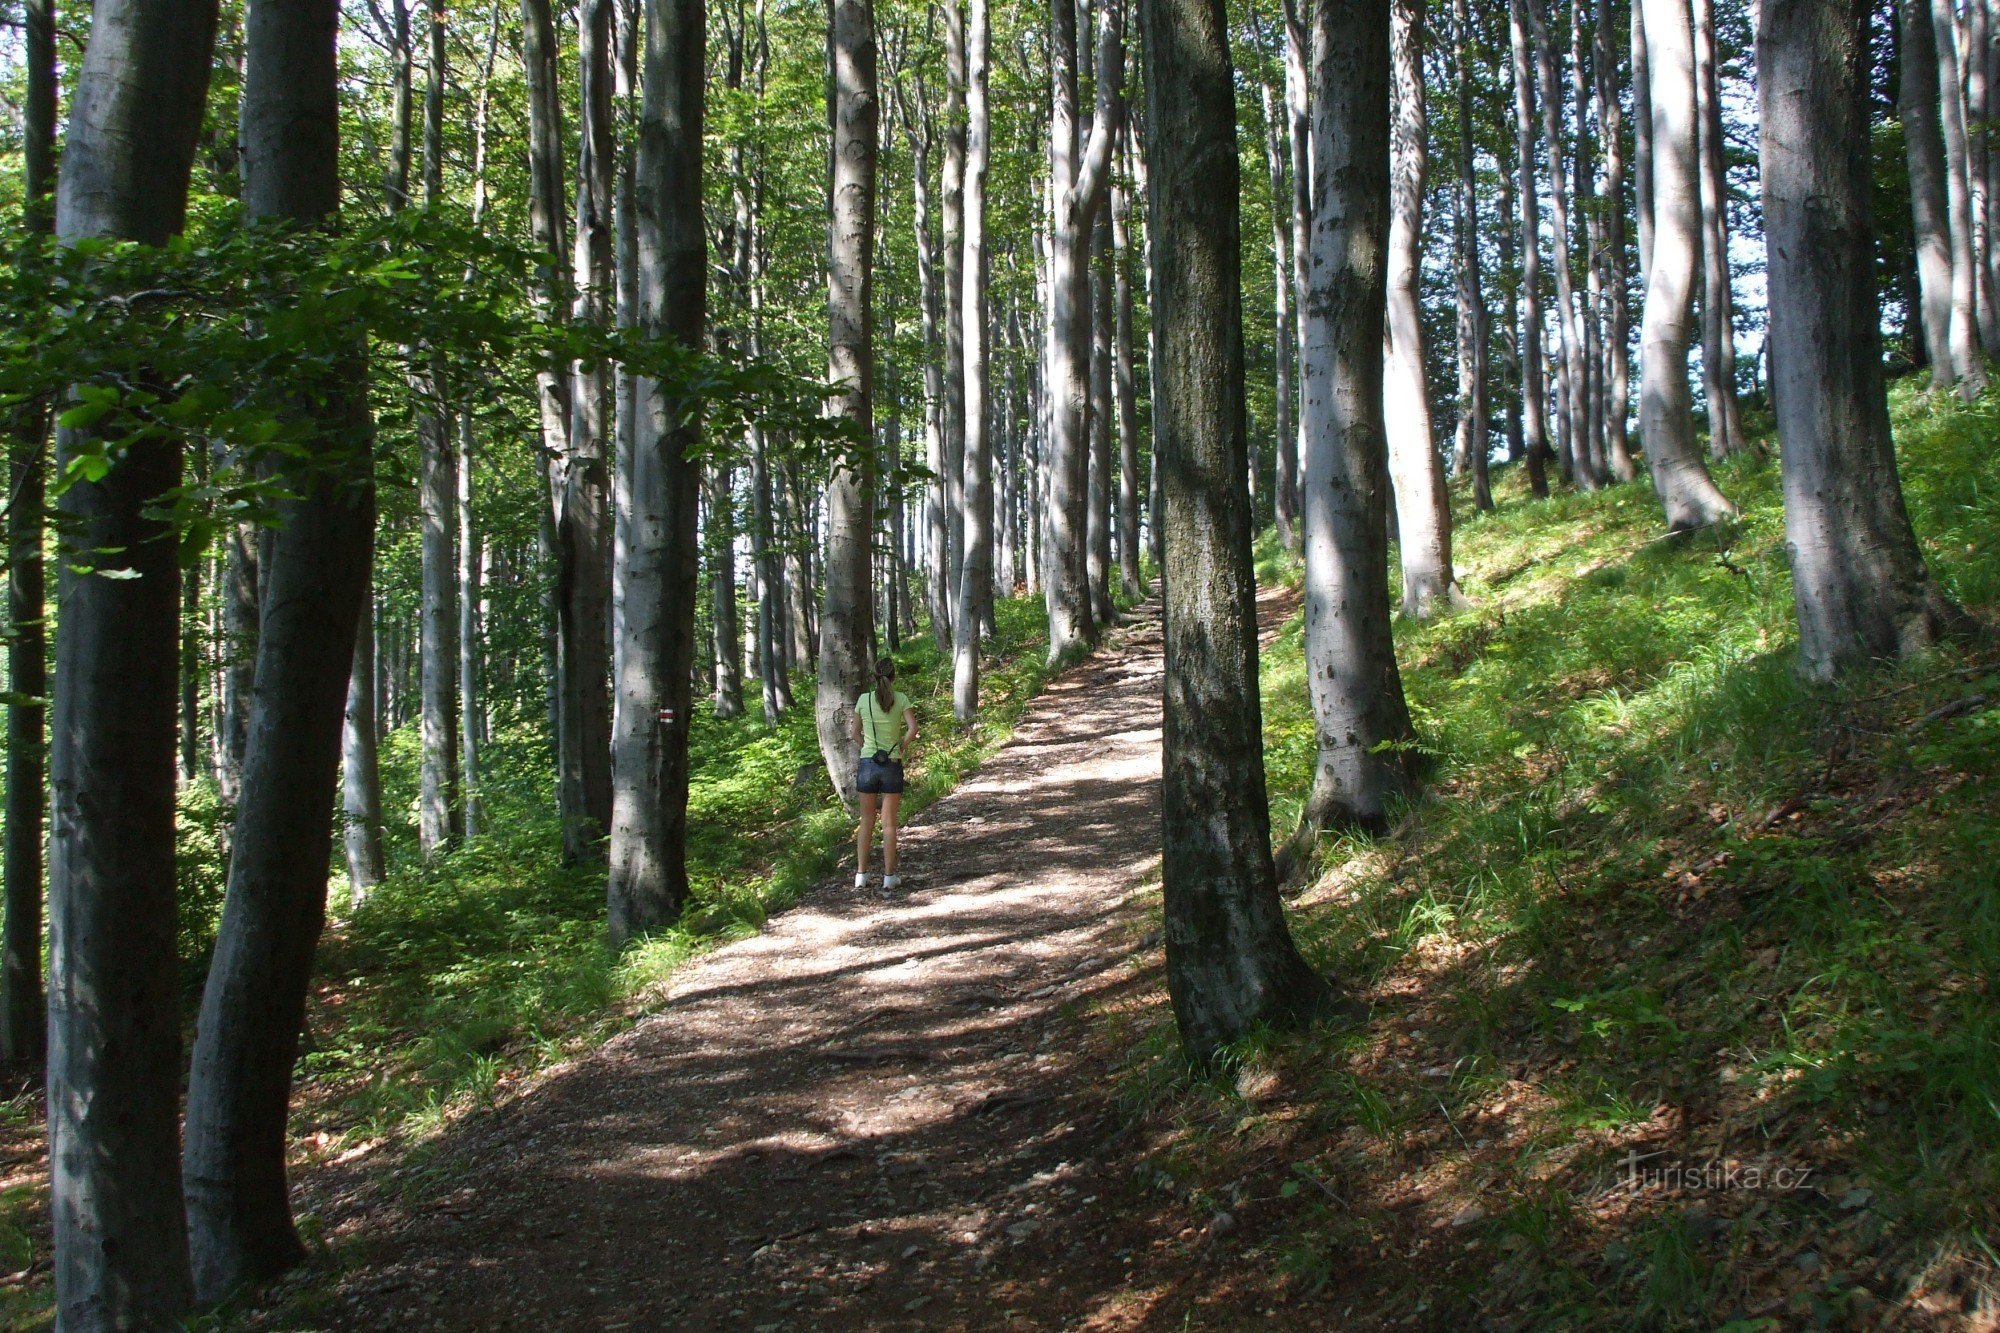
(884, 726)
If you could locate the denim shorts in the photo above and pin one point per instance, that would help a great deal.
(884, 779)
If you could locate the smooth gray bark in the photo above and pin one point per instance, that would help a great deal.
(1967, 366)
(1126, 395)
(1097, 526)
(1363, 765)
(1642, 142)
(253, 1005)
(1284, 336)
(1930, 212)
(1666, 406)
(1298, 108)
(1231, 963)
(844, 666)
(1611, 207)
(121, 1256)
(975, 598)
(1571, 410)
(437, 492)
(1718, 321)
(1534, 387)
(1860, 584)
(658, 494)
(1470, 446)
(361, 780)
(1423, 506)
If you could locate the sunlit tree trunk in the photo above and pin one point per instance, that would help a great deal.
(1859, 580)
(1471, 444)
(1423, 507)
(975, 599)
(844, 668)
(1098, 525)
(1298, 109)
(1284, 334)
(1363, 762)
(361, 781)
(114, 1068)
(1231, 963)
(951, 289)
(1666, 407)
(1968, 368)
(1611, 206)
(1125, 392)
(253, 1005)
(1718, 323)
(1642, 141)
(1534, 389)
(722, 590)
(437, 489)
(658, 494)
(1570, 394)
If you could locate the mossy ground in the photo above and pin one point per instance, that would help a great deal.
(1681, 973)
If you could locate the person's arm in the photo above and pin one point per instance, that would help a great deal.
(909, 729)
(855, 730)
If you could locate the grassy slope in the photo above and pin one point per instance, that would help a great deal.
(1664, 898)
(462, 976)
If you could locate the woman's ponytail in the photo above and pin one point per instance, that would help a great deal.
(885, 677)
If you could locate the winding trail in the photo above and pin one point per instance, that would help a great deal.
(867, 1116)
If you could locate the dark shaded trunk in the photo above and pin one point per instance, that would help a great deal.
(1860, 584)
(1231, 963)
(659, 495)
(1923, 148)
(114, 1066)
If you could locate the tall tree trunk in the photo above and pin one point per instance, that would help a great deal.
(975, 600)
(1284, 335)
(361, 780)
(240, 601)
(659, 489)
(1967, 366)
(1510, 282)
(937, 503)
(1666, 407)
(1618, 375)
(1080, 167)
(1364, 763)
(1298, 107)
(23, 1016)
(471, 812)
(1097, 527)
(1718, 324)
(121, 1256)
(1231, 963)
(1930, 212)
(437, 486)
(722, 589)
(1471, 445)
(844, 668)
(951, 217)
(1859, 580)
(1534, 389)
(1126, 392)
(582, 492)
(1977, 57)
(1423, 507)
(1572, 411)
(254, 1003)
(1642, 141)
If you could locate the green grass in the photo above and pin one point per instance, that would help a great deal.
(1662, 893)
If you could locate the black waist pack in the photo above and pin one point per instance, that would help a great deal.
(881, 757)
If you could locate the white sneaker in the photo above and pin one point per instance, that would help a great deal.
(861, 880)
(888, 883)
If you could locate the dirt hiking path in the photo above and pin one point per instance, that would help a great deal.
(868, 1116)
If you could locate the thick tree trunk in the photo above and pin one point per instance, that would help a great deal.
(1967, 366)
(23, 1014)
(658, 491)
(1126, 394)
(1859, 580)
(1081, 167)
(1231, 963)
(975, 598)
(1363, 764)
(253, 1006)
(1423, 506)
(361, 780)
(1534, 389)
(1284, 342)
(121, 1256)
(1930, 212)
(1666, 407)
(1718, 323)
(844, 668)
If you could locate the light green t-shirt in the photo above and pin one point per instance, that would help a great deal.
(882, 728)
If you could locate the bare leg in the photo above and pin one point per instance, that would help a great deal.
(864, 835)
(889, 807)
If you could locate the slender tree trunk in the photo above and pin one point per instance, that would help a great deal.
(844, 668)
(1364, 725)
(471, 812)
(1572, 412)
(1977, 56)
(23, 1017)
(1423, 506)
(1718, 325)
(1080, 167)
(658, 492)
(975, 599)
(253, 1006)
(1534, 390)
(121, 1256)
(1231, 963)
(1860, 583)
(952, 291)
(937, 503)
(1666, 408)
(722, 588)
(1618, 375)
(437, 485)
(1284, 334)
(240, 601)
(1642, 142)
(1128, 401)
(1930, 212)
(361, 784)
(1471, 446)
(1967, 365)
(1298, 105)
(1098, 522)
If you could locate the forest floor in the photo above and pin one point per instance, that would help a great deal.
(880, 1112)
